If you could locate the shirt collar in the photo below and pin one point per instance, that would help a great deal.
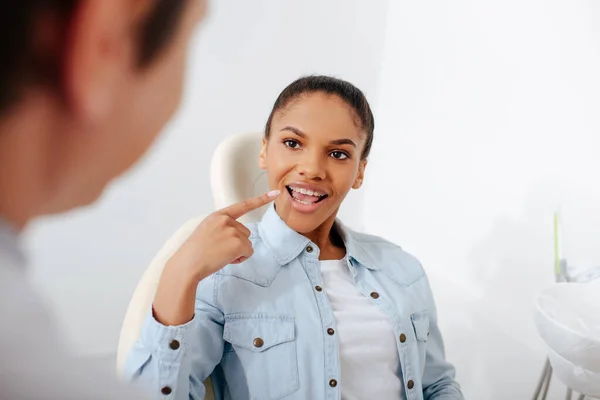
(286, 244)
(283, 242)
(10, 244)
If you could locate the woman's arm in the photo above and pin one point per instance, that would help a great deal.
(182, 337)
(172, 362)
(439, 377)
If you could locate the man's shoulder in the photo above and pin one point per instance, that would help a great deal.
(34, 362)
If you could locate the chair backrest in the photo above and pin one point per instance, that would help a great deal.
(235, 176)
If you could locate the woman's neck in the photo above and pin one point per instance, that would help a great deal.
(328, 239)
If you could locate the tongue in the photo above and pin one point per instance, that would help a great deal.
(304, 197)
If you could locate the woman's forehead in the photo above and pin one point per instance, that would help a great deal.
(320, 113)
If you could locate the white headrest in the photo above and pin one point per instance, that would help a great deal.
(235, 174)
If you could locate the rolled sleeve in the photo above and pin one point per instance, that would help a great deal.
(159, 359)
(171, 342)
(172, 362)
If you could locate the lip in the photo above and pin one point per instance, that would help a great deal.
(306, 208)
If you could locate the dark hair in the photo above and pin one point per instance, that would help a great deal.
(22, 64)
(353, 96)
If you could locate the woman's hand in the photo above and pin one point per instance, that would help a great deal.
(219, 240)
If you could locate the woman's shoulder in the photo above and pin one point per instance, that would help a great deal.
(371, 242)
(386, 255)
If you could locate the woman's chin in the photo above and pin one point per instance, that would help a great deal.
(297, 218)
(304, 223)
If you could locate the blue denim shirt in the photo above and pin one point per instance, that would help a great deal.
(276, 297)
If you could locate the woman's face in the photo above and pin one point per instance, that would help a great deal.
(313, 155)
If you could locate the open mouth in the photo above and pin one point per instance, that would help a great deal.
(305, 196)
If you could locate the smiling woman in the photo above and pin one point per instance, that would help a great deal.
(308, 309)
(317, 139)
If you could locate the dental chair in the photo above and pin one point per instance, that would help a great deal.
(235, 176)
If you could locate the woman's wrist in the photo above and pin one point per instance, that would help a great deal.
(176, 295)
(183, 266)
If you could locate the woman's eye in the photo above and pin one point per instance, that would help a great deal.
(292, 144)
(339, 155)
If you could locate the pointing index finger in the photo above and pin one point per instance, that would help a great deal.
(237, 210)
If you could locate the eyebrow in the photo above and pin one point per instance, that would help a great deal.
(337, 142)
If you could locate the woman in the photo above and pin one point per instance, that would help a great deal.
(308, 309)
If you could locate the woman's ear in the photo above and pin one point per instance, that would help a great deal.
(262, 159)
(360, 174)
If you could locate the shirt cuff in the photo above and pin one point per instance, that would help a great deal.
(169, 342)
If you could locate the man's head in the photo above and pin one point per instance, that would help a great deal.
(92, 83)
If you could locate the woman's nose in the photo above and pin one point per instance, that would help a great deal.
(311, 167)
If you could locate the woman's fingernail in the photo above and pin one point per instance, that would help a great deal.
(273, 193)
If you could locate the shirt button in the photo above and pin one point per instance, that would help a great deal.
(174, 345)
(309, 249)
(333, 383)
(410, 384)
(375, 295)
(258, 342)
(402, 338)
(166, 390)
(330, 331)
(318, 288)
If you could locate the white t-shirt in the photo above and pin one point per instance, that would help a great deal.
(370, 366)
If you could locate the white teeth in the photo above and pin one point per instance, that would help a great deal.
(303, 202)
(307, 192)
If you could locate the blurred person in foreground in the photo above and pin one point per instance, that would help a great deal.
(85, 88)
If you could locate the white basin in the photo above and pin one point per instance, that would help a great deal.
(579, 379)
(568, 319)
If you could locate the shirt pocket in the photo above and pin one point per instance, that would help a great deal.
(262, 363)
(420, 323)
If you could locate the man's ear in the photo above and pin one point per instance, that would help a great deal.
(98, 55)
(360, 175)
(262, 159)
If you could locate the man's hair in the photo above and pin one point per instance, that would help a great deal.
(21, 64)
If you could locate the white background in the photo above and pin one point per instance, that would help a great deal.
(486, 121)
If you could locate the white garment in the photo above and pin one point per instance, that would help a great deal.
(33, 363)
(370, 365)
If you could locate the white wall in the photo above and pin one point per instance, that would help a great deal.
(487, 120)
(88, 262)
